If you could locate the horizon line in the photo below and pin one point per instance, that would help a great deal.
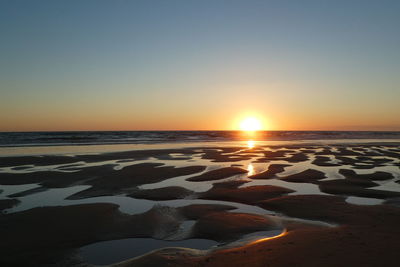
(59, 131)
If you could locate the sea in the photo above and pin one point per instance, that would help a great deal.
(24, 139)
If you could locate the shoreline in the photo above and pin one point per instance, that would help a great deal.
(46, 149)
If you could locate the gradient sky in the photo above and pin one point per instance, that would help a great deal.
(199, 65)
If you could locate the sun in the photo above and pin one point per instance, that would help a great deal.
(250, 124)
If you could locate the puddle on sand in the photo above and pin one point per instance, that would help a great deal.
(129, 205)
(299, 188)
(13, 189)
(113, 251)
(364, 201)
(108, 252)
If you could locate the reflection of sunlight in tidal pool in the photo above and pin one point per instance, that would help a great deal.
(250, 170)
(250, 144)
(269, 238)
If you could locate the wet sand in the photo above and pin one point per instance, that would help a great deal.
(319, 229)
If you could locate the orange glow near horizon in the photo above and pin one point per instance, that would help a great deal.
(122, 119)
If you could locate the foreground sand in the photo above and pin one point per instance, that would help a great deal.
(366, 236)
(349, 235)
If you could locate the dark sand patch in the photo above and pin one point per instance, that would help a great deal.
(359, 149)
(363, 162)
(275, 155)
(196, 211)
(376, 161)
(341, 188)
(325, 151)
(331, 209)
(225, 226)
(323, 162)
(298, 157)
(356, 185)
(307, 176)
(127, 179)
(343, 151)
(348, 182)
(8, 203)
(377, 176)
(364, 166)
(217, 174)
(307, 151)
(164, 193)
(393, 201)
(372, 154)
(55, 179)
(230, 184)
(247, 195)
(392, 154)
(246, 155)
(346, 160)
(273, 169)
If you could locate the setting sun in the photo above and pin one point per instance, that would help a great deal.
(250, 124)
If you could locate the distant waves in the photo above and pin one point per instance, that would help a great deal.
(8, 139)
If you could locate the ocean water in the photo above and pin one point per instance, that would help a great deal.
(15, 139)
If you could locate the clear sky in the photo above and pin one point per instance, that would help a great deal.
(199, 65)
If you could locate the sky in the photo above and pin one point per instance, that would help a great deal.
(199, 65)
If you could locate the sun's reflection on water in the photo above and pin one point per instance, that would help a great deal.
(250, 144)
(250, 169)
(268, 238)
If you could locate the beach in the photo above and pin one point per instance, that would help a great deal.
(256, 203)
(205, 133)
